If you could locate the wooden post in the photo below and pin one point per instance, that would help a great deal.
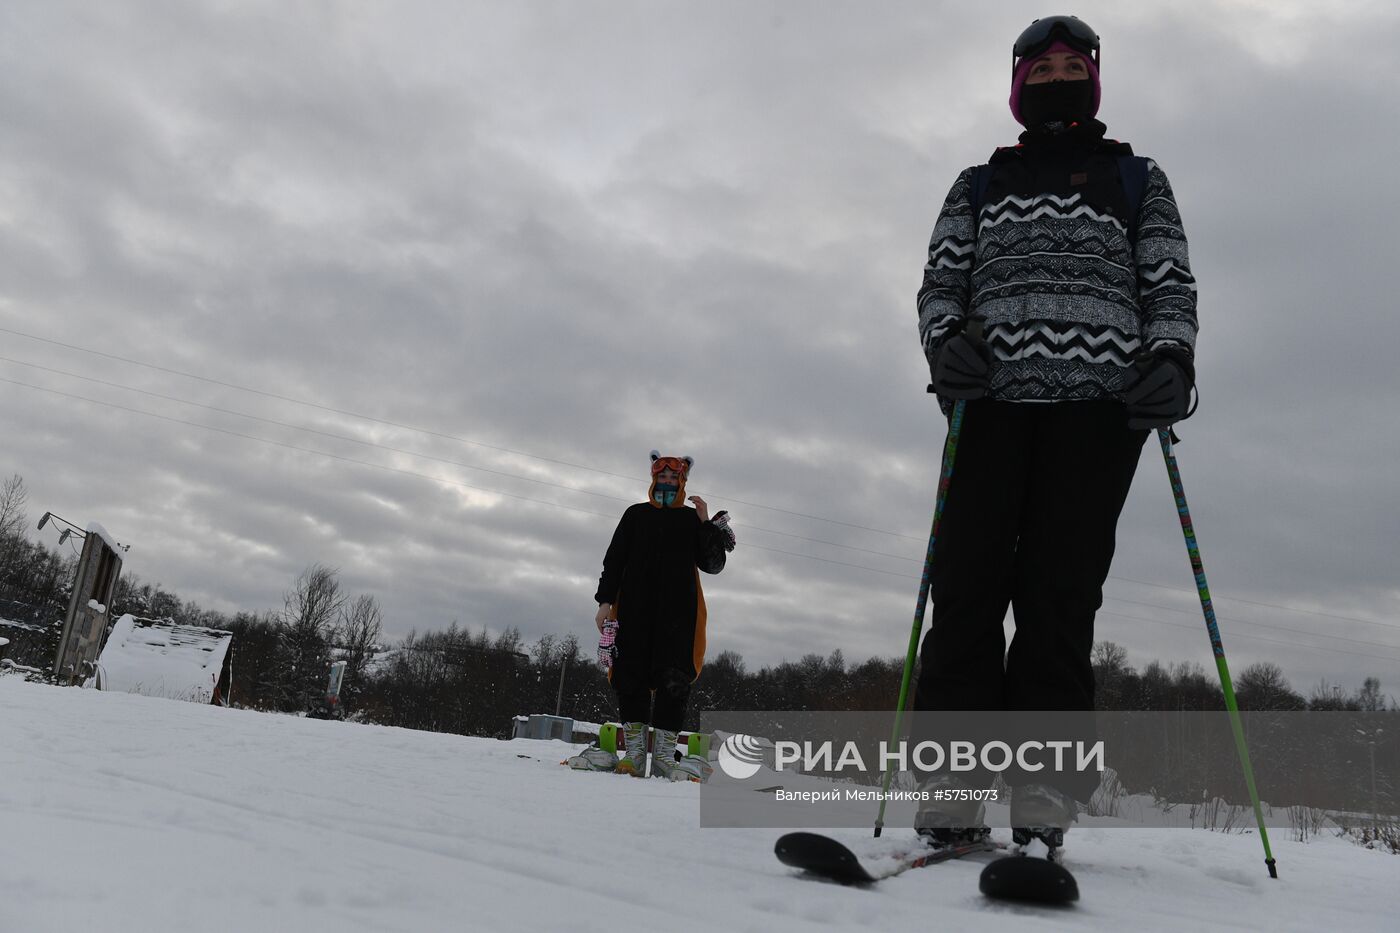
(85, 624)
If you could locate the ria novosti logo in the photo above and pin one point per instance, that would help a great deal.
(740, 756)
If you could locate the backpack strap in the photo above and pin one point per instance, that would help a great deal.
(981, 178)
(1132, 171)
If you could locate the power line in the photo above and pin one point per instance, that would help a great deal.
(849, 547)
(1117, 615)
(829, 521)
(410, 453)
(1271, 641)
(297, 401)
(469, 466)
(827, 560)
(309, 430)
(305, 450)
(398, 470)
(1262, 605)
(464, 440)
(1267, 625)
(408, 427)
(378, 466)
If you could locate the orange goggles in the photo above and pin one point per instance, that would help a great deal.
(668, 463)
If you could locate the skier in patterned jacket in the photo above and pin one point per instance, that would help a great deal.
(1064, 312)
(650, 587)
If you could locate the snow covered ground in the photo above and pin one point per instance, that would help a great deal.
(130, 813)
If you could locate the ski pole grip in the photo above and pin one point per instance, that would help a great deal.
(974, 328)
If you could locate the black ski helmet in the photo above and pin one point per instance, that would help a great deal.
(1044, 32)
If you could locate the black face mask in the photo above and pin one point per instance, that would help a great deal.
(1056, 102)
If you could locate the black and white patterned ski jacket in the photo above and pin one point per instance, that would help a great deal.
(1070, 287)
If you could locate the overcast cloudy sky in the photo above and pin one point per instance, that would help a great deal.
(496, 252)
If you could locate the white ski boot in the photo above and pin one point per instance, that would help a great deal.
(594, 759)
(665, 765)
(634, 758)
(692, 768)
(663, 756)
(944, 817)
(1040, 811)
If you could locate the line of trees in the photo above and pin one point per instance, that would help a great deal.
(474, 682)
(1187, 686)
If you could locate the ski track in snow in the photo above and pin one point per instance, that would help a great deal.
(129, 813)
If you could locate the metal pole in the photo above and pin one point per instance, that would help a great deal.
(1217, 647)
(950, 449)
(1375, 808)
(559, 700)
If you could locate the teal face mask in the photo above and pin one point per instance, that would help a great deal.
(665, 494)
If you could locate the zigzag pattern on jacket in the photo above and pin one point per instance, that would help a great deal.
(1063, 342)
(1163, 274)
(952, 253)
(1066, 297)
(1022, 210)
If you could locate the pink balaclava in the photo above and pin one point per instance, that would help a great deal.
(1018, 78)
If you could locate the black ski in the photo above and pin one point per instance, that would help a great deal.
(1025, 878)
(826, 858)
(1029, 878)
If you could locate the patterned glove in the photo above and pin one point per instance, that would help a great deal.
(607, 644)
(721, 521)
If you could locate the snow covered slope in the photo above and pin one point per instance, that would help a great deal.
(129, 813)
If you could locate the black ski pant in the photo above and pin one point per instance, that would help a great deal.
(655, 652)
(634, 697)
(1029, 522)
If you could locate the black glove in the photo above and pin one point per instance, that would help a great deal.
(961, 367)
(1161, 396)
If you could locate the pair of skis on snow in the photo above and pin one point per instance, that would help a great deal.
(1010, 877)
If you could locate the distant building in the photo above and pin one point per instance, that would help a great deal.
(162, 659)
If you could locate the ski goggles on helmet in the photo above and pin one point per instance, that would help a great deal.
(668, 463)
(1043, 33)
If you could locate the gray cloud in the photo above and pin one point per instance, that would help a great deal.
(584, 231)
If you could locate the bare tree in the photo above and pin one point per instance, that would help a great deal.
(308, 616)
(1110, 657)
(1263, 686)
(1369, 697)
(1111, 675)
(357, 633)
(1328, 696)
(315, 600)
(13, 497)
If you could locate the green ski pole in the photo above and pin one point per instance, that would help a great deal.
(945, 476)
(1194, 551)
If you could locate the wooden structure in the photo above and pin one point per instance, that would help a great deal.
(86, 621)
